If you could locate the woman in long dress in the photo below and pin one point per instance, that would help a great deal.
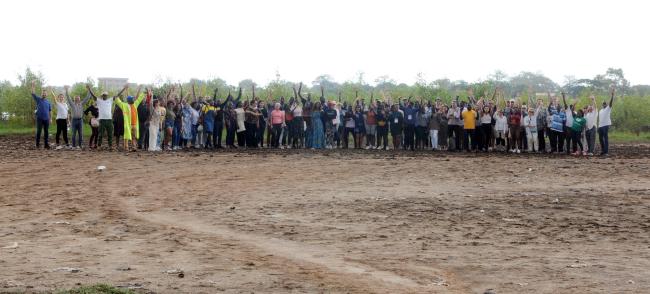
(318, 134)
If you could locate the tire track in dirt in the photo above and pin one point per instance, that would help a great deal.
(306, 256)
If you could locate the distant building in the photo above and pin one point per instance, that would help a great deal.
(112, 84)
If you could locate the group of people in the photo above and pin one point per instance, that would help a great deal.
(172, 122)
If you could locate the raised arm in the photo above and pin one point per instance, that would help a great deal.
(611, 99)
(564, 100)
(214, 96)
(67, 96)
(238, 96)
(300, 94)
(193, 92)
(90, 91)
(122, 91)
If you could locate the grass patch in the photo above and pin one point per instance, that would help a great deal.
(628, 137)
(96, 289)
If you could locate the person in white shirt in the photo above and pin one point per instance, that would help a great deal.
(591, 116)
(530, 124)
(501, 128)
(604, 121)
(61, 119)
(105, 107)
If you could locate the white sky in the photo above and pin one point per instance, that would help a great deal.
(142, 40)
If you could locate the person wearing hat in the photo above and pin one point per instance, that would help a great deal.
(105, 106)
(130, 114)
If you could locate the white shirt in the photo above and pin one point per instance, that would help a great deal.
(195, 116)
(241, 115)
(591, 119)
(501, 123)
(604, 118)
(530, 122)
(61, 110)
(105, 107)
(338, 117)
(569, 117)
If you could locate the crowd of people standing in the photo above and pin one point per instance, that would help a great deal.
(174, 122)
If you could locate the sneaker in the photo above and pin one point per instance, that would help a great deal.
(58, 147)
(590, 154)
(518, 151)
(367, 147)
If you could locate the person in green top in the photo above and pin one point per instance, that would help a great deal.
(576, 131)
(130, 111)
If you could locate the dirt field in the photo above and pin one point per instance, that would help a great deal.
(336, 221)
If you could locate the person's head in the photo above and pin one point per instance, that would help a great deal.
(262, 105)
(129, 99)
(276, 106)
(155, 103)
(246, 104)
(445, 108)
(104, 95)
(453, 104)
(194, 105)
(229, 105)
(469, 107)
(580, 113)
(317, 106)
(531, 112)
(217, 102)
(604, 103)
(357, 108)
(170, 104)
(77, 99)
(43, 93)
(486, 109)
(393, 108)
(282, 99)
(500, 113)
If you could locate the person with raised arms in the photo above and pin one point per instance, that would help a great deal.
(130, 117)
(604, 121)
(105, 106)
(77, 113)
(43, 116)
(61, 119)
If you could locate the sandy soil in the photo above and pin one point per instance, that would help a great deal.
(338, 221)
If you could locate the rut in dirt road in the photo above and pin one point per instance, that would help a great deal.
(299, 253)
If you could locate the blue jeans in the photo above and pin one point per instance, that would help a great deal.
(603, 137)
(77, 124)
(42, 124)
(176, 134)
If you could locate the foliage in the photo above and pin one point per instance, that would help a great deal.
(630, 112)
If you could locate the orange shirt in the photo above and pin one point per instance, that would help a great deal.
(134, 114)
(469, 119)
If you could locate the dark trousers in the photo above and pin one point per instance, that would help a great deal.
(230, 134)
(470, 134)
(143, 140)
(557, 140)
(260, 133)
(77, 127)
(455, 131)
(62, 127)
(591, 139)
(568, 137)
(346, 134)
(217, 134)
(486, 136)
(382, 135)
(42, 125)
(93, 136)
(106, 126)
(540, 140)
(276, 130)
(577, 141)
(251, 135)
(603, 137)
(241, 138)
(409, 132)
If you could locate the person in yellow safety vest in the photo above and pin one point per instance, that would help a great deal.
(130, 110)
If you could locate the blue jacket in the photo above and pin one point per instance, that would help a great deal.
(43, 108)
(557, 120)
(409, 115)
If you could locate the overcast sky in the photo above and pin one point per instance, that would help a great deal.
(144, 40)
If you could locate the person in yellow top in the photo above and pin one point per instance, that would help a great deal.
(469, 125)
(130, 110)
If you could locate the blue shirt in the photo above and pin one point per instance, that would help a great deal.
(43, 108)
(409, 115)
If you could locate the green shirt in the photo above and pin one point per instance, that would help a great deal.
(578, 124)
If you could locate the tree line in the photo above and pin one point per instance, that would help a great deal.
(631, 112)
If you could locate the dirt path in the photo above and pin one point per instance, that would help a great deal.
(352, 222)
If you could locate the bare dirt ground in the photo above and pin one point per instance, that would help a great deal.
(335, 221)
